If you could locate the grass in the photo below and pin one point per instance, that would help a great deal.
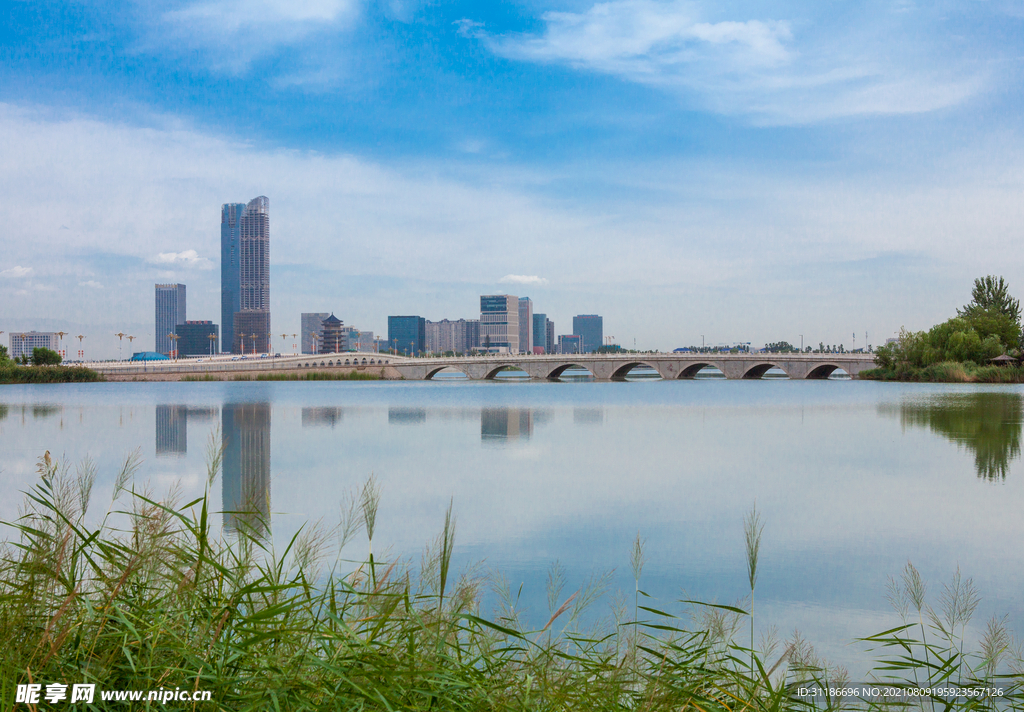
(203, 377)
(312, 376)
(948, 372)
(11, 373)
(161, 601)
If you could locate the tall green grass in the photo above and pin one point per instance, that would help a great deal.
(10, 373)
(947, 372)
(151, 597)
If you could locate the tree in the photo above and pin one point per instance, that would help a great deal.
(4, 356)
(992, 294)
(45, 357)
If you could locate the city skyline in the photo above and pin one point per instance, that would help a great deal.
(799, 169)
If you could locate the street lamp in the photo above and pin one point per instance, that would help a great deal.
(212, 338)
(296, 344)
(316, 338)
(174, 339)
(253, 344)
(120, 335)
(60, 341)
(81, 351)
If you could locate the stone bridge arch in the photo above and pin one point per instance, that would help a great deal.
(759, 369)
(556, 373)
(690, 370)
(434, 371)
(621, 371)
(822, 371)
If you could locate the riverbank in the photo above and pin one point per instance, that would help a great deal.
(161, 602)
(11, 373)
(385, 373)
(947, 372)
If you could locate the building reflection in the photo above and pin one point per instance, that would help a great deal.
(501, 425)
(321, 417)
(172, 427)
(246, 467)
(587, 416)
(987, 424)
(407, 416)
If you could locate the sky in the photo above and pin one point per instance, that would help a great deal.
(727, 171)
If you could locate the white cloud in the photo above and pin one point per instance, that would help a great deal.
(522, 279)
(91, 284)
(235, 32)
(186, 258)
(775, 70)
(16, 272)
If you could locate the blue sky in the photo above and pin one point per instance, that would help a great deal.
(745, 171)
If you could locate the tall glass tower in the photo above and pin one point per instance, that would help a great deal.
(230, 290)
(245, 276)
(170, 311)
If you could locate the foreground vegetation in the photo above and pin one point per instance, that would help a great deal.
(162, 603)
(961, 349)
(45, 368)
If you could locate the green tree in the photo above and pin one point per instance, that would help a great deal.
(45, 357)
(4, 355)
(991, 293)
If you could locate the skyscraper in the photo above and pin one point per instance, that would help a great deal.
(591, 328)
(170, 311)
(230, 289)
(245, 275)
(499, 323)
(525, 325)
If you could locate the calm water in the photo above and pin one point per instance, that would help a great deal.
(853, 478)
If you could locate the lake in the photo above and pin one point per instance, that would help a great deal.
(852, 479)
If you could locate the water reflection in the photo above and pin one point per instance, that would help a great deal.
(587, 416)
(987, 424)
(321, 417)
(500, 425)
(246, 466)
(172, 427)
(407, 416)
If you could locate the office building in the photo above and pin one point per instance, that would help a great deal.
(570, 344)
(407, 334)
(170, 311)
(472, 337)
(245, 495)
(194, 338)
(525, 325)
(540, 334)
(549, 333)
(591, 328)
(230, 288)
(363, 341)
(22, 342)
(499, 323)
(245, 275)
(332, 336)
(458, 336)
(312, 324)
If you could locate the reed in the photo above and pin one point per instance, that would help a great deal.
(152, 597)
(11, 373)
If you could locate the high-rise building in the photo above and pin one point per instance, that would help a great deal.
(472, 338)
(525, 325)
(312, 323)
(194, 338)
(549, 334)
(591, 328)
(245, 480)
(499, 323)
(22, 342)
(407, 334)
(458, 336)
(170, 311)
(540, 334)
(570, 344)
(230, 275)
(245, 275)
(364, 342)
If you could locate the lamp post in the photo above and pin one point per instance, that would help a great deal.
(253, 344)
(296, 344)
(801, 343)
(316, 339)
(23, 357)
(174, 351)
(60, 341)
(81, 351)
(120, 335)
(212, 338)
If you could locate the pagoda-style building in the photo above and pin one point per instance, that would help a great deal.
(332, 336)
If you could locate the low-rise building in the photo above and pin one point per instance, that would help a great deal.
(22, 342)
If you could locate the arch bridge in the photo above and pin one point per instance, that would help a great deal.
(611, 367)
